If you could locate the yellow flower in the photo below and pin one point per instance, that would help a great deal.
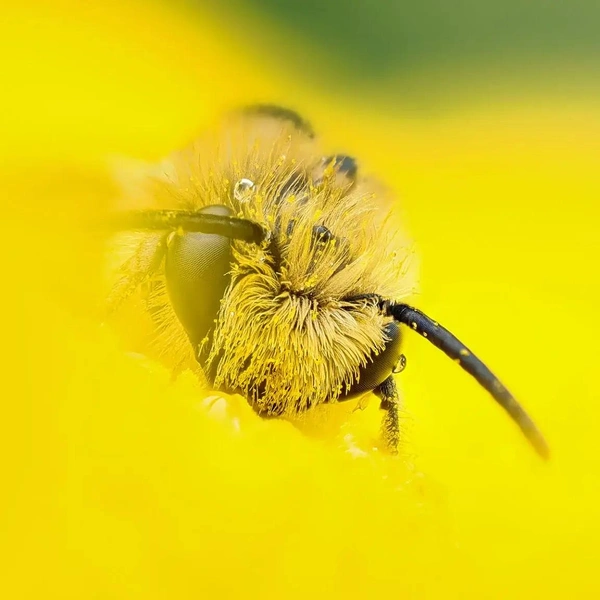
(122, 484)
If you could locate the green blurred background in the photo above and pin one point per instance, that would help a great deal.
(367, 42)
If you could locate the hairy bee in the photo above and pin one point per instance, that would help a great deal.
(281, 271)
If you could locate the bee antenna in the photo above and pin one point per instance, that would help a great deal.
(455, 349)
(190, 221)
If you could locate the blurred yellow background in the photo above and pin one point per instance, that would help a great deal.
(121, 484)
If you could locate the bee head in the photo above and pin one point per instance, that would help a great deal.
(198, 264)
(288, 289)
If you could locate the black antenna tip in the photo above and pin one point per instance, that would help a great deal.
(456, 350)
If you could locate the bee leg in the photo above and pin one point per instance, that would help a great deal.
(390, 403)
(145, 261)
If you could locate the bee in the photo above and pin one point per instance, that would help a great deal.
(280, 270)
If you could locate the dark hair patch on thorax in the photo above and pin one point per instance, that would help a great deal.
(343, 164)
(283, 114)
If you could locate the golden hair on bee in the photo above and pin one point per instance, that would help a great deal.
(280, 269)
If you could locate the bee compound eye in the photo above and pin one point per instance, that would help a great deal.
(343, 164)
(382, 365)
(197, 269)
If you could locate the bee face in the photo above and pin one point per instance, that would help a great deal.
(276, 269)
(289, 324)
